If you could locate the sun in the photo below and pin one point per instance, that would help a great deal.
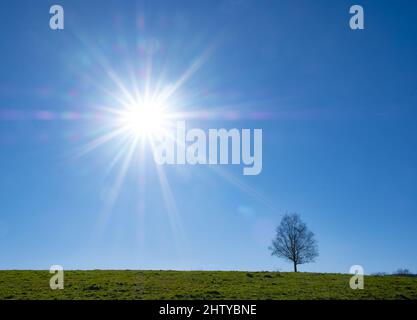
(144, 119)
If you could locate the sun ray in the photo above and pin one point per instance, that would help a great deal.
(141, 111)
(117, 184)
(100, 141)
(243, 186)
(171, 207)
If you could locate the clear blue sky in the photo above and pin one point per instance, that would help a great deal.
(339, 126)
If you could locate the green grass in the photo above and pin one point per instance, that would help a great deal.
(101, 284)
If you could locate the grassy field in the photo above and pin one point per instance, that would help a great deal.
(201, 285)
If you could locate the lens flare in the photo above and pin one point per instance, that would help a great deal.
(144, 119)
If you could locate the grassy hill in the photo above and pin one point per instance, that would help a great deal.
(101, 284)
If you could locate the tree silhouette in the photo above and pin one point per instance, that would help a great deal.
(294, 242)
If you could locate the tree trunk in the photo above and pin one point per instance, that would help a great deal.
(295, 267)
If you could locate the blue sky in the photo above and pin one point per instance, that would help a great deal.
(339, 134)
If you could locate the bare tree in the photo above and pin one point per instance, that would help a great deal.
(294, 241)
(402, 272)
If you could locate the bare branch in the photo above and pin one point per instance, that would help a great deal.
(294, 242)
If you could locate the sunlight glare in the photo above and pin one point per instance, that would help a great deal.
(144, 119)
